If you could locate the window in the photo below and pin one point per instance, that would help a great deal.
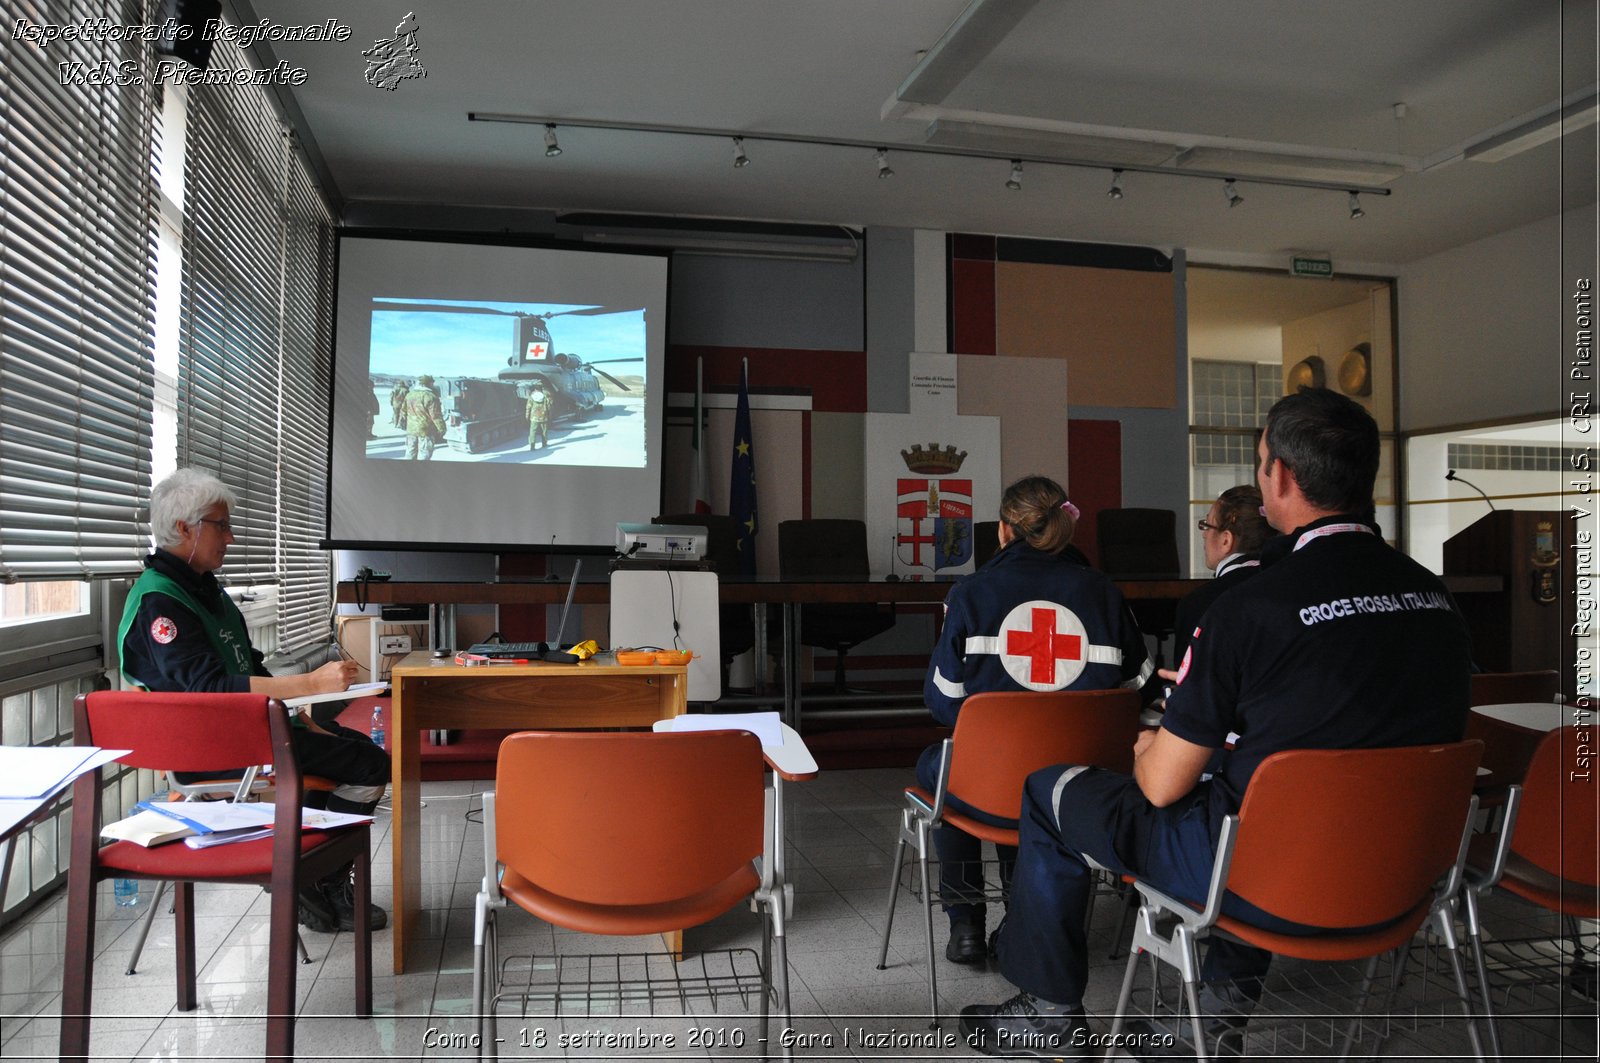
(77, 269)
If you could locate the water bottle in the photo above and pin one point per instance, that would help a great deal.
(377, 725)
(126, 891)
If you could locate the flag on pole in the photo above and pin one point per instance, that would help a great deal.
(700, 489)
(742, 483)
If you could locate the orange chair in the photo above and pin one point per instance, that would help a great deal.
(1547, 852)
(1001, 738)
(203, 732)
(628, 833)
(1331, 838)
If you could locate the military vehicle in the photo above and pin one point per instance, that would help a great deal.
(481, 413)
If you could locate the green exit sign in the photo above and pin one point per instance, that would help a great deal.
(1311, 267)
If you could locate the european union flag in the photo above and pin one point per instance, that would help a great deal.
(742, 484)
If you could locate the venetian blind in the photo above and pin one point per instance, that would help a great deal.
(305, 599)
(77, 279)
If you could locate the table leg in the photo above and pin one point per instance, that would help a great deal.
(791, 665)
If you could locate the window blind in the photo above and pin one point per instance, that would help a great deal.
(229, 318)
(256, 339)
(77, 280)
(306, 597)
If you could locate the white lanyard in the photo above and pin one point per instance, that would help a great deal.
(1329, 529)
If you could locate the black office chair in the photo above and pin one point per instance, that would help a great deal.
(831, 549)
(985, 541)
(1142, 544)
(737, 622)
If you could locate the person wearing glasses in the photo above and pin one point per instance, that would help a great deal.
(1232, 535)
(181, 633)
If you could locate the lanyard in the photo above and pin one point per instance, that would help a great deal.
(1329, 529)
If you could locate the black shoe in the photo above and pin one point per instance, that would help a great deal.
(316, 913)
(1016, 1028)
(1146, 1039)
(339, 892)
(966, 944)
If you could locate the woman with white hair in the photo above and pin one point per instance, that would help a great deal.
(180, 632)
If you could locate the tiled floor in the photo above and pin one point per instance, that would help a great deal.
(841, 832)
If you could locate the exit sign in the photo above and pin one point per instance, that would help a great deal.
(1311, 267)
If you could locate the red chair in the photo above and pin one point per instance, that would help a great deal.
(1507, 749)
(1547, 852)
(1001, 738)
(198, 733)
(1343, 839)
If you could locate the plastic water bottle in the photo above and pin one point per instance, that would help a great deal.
(126, 891)
(377, 725)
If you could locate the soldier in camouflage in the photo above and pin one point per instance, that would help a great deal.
(424, 419)
(538, 418)
(397, 402)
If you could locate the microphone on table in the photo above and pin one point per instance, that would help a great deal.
(551, 575)
(892, 577)
(1451, 475)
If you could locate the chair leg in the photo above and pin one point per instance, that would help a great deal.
(927, 925)
(305, 953)
(481, 917)
(1447, 934)
(77, 971)
(363, 917)
(1368, 974)
(897, 869)
(1124, 997)
(281, 969)
(1475, 936)
(183, 925)
(144, 927)
(1191, 997)
(1130, 904)
(780, 963)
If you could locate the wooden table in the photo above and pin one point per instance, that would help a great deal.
(431, 694)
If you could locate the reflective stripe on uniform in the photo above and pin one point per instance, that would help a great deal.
(946, 687)
(1061, 784)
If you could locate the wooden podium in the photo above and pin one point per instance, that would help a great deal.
(1525, 626)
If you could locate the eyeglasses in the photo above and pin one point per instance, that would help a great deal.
(226, 526)
(1206, 525)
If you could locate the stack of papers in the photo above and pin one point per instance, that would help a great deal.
(202, 824)
(31, 775)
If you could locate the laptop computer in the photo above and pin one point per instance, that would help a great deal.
(543, 651)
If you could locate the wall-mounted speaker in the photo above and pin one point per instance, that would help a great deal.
(183, 36)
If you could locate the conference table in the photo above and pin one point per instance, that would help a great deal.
(436, 693)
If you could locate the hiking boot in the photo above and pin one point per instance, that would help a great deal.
(966, 943)
(316, 913)
(1018, 1028)
(339, 893)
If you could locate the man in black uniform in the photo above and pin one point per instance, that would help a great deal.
(1340, 642)
(181, 632)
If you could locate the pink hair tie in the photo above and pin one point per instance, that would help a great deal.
(1071, 509)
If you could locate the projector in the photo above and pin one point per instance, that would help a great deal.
(662, 542)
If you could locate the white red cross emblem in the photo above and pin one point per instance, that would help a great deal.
(1043, 645)
(536, 350)
(163, 630)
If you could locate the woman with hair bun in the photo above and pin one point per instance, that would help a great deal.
(1033, 579)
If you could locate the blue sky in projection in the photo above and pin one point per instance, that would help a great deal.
(443, 343)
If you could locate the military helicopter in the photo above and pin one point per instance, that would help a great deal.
(480, 413)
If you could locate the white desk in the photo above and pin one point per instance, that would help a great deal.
(1540, 716)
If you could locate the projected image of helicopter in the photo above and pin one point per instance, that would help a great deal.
(481, 413)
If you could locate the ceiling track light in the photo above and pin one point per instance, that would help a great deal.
(1014, 182)
(740, 159)
(881, 153)
(1356, 212)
